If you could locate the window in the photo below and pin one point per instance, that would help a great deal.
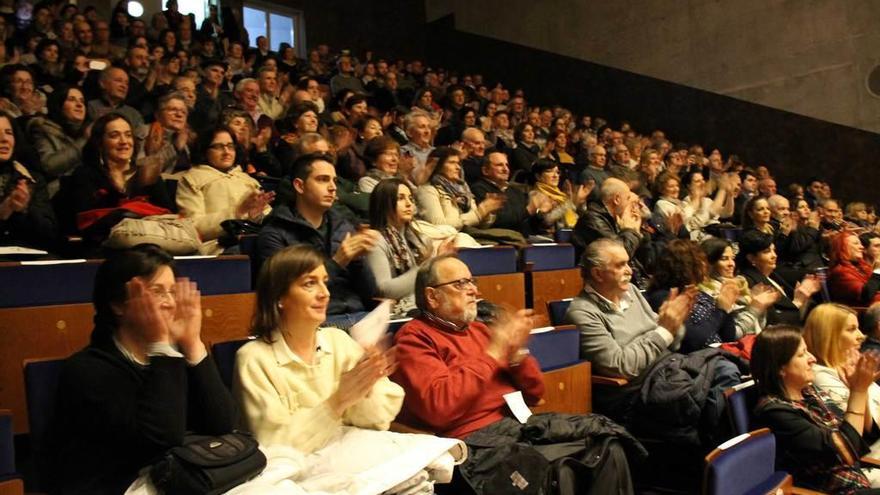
(197, 7)
(278, 24)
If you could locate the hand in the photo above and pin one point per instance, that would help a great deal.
(763, 296)
(814, 221)
(261, 140)
(447, 246)
(727, 295)
(17, 201)
(253, 205)
(785, 225)
(675, 309)
(579, 196)
(181, 139)
(491, 203)
(510, 334)
(142, 313)
(861, 376)
(355, 245)
(155, 139)
(674, 222)
(805, 289)
(186, 329)
(629, 219)
(356, 383)
(406, 165)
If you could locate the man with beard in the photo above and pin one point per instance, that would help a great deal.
(620, 334)
(137, 65)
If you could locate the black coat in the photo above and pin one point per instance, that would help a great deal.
(113, 417)
(513, 215)
(784, 311)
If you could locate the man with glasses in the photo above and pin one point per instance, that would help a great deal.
(454, 369)
(166, 140)
(458, 375)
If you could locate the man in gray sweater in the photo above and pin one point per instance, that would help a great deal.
(620, 335)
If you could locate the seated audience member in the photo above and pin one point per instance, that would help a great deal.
(18, 95)
(108, 186)
(831, 214)
(620, 334)
(217, 189)
(166, 139)
(59, 137)
(616, 216)
(522, 211)
(209, 95)
(297, 383)
(26, 216)
(851, 279)
(757, 263)
(871, 242)
(113, 83)
(750, 304)
(595, 170)
(857, 214)
(525, 153)
(870, 325)
(668, 205)
(350, 161)
(699, 209)
(456, 371)
(401, 248)
(252, 151)
(832, 335)
(247, 97)
(144, 380)
(446, 199)
(382, 155)
(417, 125)
(307, 218)
(804, 242)
(715, 316)
(818, 443)
(473, 143)
(546, 180)
(766, 186)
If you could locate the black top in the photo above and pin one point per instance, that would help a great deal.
(784, 310)
(113, 417)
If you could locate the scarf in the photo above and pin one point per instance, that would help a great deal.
(407, 249)
(459, 191)
(712, 287)
(379, 175)
(559, 198)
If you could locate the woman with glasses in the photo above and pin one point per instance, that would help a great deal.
(218, 189)
(143, 381)
(382, 156)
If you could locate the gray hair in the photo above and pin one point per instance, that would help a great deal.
(426, 277)
(239, 86)
(594, 255)
(409, 121)
(164, 99)
(870, 318)
(611, 187)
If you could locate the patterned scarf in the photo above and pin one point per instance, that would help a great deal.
(460, 192)
(559, 198)
(821, 411)
(407, 249)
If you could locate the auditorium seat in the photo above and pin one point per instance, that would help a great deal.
(492, 260)
(41, 383)
(557, 310)
(551, 274)
(567, 387)
(745, 464)
(10, 481)
(223, 354)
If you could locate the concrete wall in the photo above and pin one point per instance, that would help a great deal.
(809, 57)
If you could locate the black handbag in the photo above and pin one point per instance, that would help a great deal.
(207, 465)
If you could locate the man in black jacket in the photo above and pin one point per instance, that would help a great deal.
(520, 212)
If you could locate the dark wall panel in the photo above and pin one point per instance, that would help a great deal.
(796, 147)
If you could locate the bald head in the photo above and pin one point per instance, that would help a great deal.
(474, 141)
(779, 206)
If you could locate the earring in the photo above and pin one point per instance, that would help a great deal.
(280, 306)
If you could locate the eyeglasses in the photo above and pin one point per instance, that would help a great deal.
(222, 146)
(460, 284)
(160, 293)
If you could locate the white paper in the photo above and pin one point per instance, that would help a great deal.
(52, 262)
(518, 406)
(545, 244)
(542, 330)
(370, 330)
(196, 257)
(19, 250)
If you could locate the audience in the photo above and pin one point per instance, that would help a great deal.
(851, 279)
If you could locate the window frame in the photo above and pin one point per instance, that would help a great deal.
(299, 25)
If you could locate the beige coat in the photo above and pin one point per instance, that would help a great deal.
(437, 207)
(209, 196)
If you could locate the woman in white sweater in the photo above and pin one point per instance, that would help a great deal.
(297, 383)
(219, 189)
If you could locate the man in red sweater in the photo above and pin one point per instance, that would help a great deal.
(455, 371)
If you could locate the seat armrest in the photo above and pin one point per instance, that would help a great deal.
(609, 381)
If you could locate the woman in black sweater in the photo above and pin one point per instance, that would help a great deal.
(143, 381)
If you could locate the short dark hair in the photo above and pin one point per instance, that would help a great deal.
(200, 153)
(276, 276)
(92, 152)
(114, 273)
(377, 146)
(442, 154)
(773, 349)
(714, 248)
(303, 165)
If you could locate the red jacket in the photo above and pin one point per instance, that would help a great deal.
(452, 386)
(853, 284)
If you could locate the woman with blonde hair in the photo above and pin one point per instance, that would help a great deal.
(832, 335)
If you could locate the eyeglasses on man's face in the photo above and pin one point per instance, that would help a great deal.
(460, 284)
